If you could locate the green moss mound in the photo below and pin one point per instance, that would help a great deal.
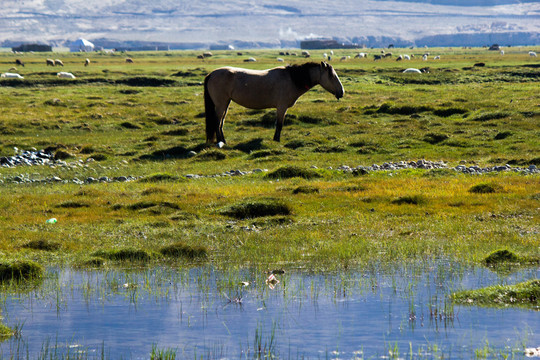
(410, 200)
(257, 208)
(500, 257)
(525, 294)
(20, 270)
(181, 250)
(485, 188)
(127, 254)
(160, 177)
(287, 172)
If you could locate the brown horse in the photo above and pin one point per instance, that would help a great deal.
(278, 88)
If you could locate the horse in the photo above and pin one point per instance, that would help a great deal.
(277, 88)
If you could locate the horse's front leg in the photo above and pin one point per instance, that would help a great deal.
(281, 112)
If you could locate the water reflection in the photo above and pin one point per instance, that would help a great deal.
(401, 312)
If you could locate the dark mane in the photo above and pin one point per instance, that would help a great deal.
(300, 74)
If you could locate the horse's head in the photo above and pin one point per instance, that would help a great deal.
(330, 81)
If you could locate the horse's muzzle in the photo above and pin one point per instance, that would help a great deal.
(339, 95)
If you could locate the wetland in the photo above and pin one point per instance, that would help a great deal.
(124, 235)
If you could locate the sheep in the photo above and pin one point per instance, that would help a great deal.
(86, 62)
(207, 54)
(11, 76)
(49, 62)
(200, 57)
(406, 57)
(343, 58)
(501, 52)
(532, 53)
(129, 60)
(424, 57)
(11, 69)
(280, 60)
(377, 57)
(306, 53)
(360, 55)
(58, 62)
(437, 57)
(399, 58)
(19, 62)
(65, 75)
(251, 59)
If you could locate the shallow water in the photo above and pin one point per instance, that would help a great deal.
(400, 312)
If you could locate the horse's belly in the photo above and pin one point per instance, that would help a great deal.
(256, 100)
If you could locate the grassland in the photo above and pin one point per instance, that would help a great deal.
(143, 119)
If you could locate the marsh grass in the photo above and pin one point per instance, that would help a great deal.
(181, 250)
(525, 294)
(19, 270)
(124, 255)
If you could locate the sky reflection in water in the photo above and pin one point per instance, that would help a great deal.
(207, 312)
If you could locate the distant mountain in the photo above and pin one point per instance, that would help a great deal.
(269, 23)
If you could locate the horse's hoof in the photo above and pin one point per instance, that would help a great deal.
(220, 144)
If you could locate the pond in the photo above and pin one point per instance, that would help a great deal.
(401, 312)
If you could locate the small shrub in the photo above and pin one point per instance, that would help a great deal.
(485, 188)
(410, 199)
(87, 149)
(41, 244)
(305, 189)
(181, 250)
(501, 256)
(257, 208)
(20, 270)
(290, 171)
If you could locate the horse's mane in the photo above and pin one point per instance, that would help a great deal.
(300, 74)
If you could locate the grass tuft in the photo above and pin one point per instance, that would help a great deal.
(501, 256)
(485, 188)
(70, 204)
(20, 270)
(290, 171)
(257, 208)
(159, 177)
(211, 155)
(41, 244)
(181, 250)
(410, 200)
(127, 254)
(523, 294)
(305, 189)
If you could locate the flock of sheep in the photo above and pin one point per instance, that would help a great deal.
(49, 62)
(305, 54)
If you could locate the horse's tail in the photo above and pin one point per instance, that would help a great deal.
(212, 121)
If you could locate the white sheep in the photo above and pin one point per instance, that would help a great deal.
(437, 57)
(12, 76)
(424, 58)
(406, 57)
(280, 60)
(65, 75)
(532, 53)
(502, 52)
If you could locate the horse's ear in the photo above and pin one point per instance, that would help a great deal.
(324, 64)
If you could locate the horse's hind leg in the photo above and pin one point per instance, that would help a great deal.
(281, 112)
(221, 111)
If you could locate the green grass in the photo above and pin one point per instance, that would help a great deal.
(146, 120)
(525, 294)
